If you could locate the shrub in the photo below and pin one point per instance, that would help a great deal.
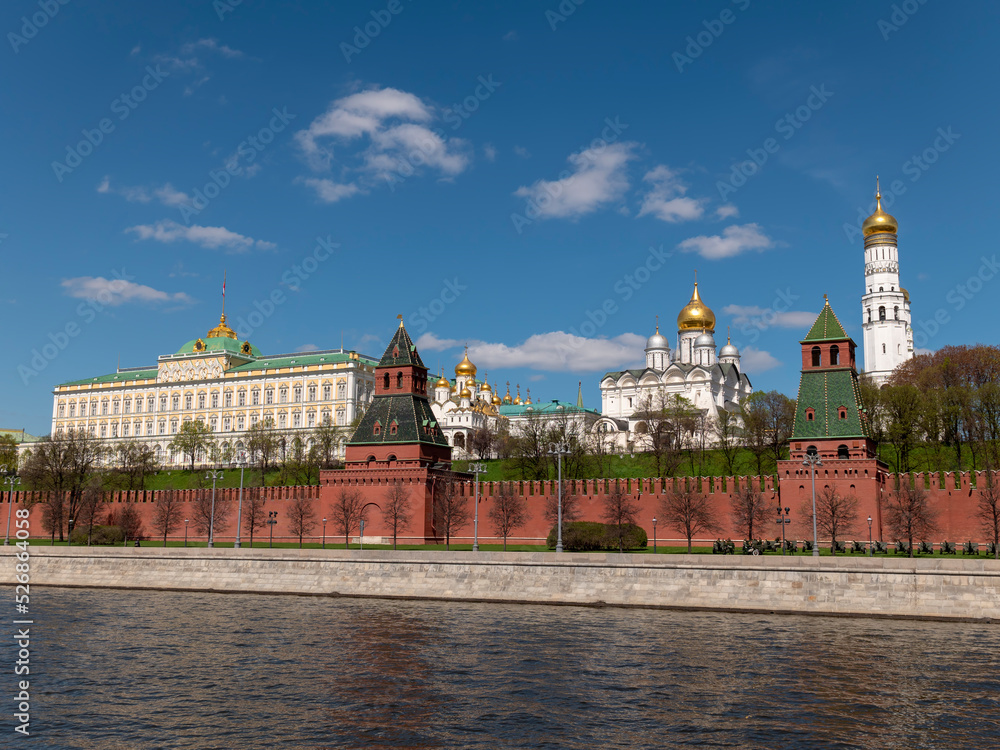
(103, 535)
(591, 536)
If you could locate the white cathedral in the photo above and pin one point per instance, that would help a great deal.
(711, 381)
(888, 335)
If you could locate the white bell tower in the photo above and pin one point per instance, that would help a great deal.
(888, 336)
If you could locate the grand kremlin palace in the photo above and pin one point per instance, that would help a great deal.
(227, 384)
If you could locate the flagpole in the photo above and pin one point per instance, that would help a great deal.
(223, 292)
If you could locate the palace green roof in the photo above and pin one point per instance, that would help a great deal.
(118, 377)
(826, 327)
(223, 343)
(300, 360)
(412, 415)
(548, 408)
(406, 351)
(825, 391)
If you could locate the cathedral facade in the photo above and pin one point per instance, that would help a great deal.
(709, 380)
(888, 334)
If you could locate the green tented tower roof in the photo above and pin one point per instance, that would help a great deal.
(826, 327)
(401, 350)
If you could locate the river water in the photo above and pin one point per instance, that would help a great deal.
(141, 669)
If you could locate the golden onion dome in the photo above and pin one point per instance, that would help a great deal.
(906, 295)
(486, 385)
(221, 331)
(465, 367)
(465, 393)
(696, 315)
(497, 401)
(879, 221)
(442, 382)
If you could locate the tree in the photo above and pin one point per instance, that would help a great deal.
(396, 510)
(326, 440)
(63, 466)
(167, 515)
(988, 511)
(769, 417)
(835, 514)
(132, 463)
(262, 445)
(664, 422)
(192, 439)
(509, 511)
(903, 405)
(346, 512)
(749, 510)
(302, 516)
(201, 512)
(600, 444)
(529, 446)
(481, 442)
(728, 434)
(620, 509)
(688, 511)
(127, 519)
(451, 510)
(254, 516)
(873, 406)
(8, 453)
(570, 506)
(908, 514)
(91, 510)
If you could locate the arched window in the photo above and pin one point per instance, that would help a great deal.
(842, 452)
(869, 315)
(385, 381)
(816, 356)
(883, 348)
(810, 414)
(399, 380)
(842, 412)
(378, 428)
(895, 313)
(834, 355)
(459, 439)
(881, 313)
(811, 450)
(393, 427)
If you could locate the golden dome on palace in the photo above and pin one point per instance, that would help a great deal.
(696, 315)
(465, 367)
(879, 221)
(465, 393)
(221, 331)
(442, 382)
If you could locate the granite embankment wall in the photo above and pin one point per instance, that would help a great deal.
(929, 588)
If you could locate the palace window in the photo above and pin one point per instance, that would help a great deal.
(150, 402)
(163, 427)
(312, 393)
(215, 400)
(175, 402)
(227, 423)
(228, 398)
(843, 452)
(385, 384)
(104, 430)
(255, 397)
(91, 430)
(114, 406)
(811, 451)
(149, 428)
(311, 419)
(895, 313)
(298, 393)
(283, 395)
(399, 380)
(881, 313)
(138, 405)
(342, 388)
(72, 410)
(187, 401)
(340, 417)
(253, 420)
(127, 408)
(326, 392)
(296, 420)
(104, 407)
(62, 410)
(241, 397)
(201, 400)
(282, 421)
(269, 396)
(240, 423)
(124, 429)
(173, 426)
(213, 423)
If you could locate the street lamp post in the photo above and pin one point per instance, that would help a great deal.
(559, 450)
(69, 541)
(214, 476)
(812, 460)
(185, 532)
(477, 469)
(10, 481)
(241, 459)
(272, 518)
(783, 519)
(869, 536)
(654, 535)
(324, 533)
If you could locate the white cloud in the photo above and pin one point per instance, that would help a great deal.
(400, 140)
(727, 211)
(187, 57)
(431, 343)
(666, 200)
(166, 193)
(598, 178)
(768, 318)
(490, 152)
(170, 197)
(757, 360)
(559, 351)
(105, 185)
(510, 36)
(734, 240)
(308, 348)
(329, 191)
(114, 292)
(210, 237)
(522, 152)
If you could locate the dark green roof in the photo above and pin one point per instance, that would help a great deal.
(223, 343)
(826, 327)
(825, 391)
(401, 351)
(118, 377)
(300, 360)
(412, 415)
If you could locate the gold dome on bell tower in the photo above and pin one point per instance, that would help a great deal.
(696, 315)
(465, 367)
(879, 221)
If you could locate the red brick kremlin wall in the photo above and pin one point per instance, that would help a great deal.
(952, 495)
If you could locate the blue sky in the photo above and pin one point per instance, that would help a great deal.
(538, 180)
